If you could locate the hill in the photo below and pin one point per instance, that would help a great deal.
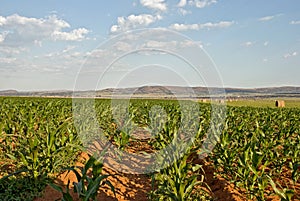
(166, 92)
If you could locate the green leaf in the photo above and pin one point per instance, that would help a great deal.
(196, 167)
(93, 187)
(67, 197)
(277, 191)
(56, 187)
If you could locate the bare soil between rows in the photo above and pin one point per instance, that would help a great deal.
(137, 186)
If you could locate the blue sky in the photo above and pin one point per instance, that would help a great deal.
(46, 45)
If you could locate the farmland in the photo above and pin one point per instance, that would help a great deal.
(256, 149)
(290, 103)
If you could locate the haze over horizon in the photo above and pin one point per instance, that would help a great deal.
(126, 88)
(44, 44)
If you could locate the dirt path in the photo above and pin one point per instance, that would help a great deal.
(127, 186)
(136, 187)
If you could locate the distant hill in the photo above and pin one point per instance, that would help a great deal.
(269, 90)
(166, 92)
(8, 92)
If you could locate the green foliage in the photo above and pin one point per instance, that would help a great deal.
(180, 179)
(87, 185)
(264, 103)
(37, 139)
(259, 144)
(21, 188)
(179, 182)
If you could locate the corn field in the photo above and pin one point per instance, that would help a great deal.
(258, 149)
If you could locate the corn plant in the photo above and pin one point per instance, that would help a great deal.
(285, 194)
(38, 139)
(180, 181)
(87, 186)
(256, 145)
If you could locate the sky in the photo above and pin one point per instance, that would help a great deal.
(67, 45)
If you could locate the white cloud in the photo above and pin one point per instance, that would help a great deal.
(266, 43)
(123, 46)
(293, 54)
(148, 47)
(267, 18)
(2, 20)
(160, 44)
(68, 48)
(184, 27)
(248, 44)
(222, 24)
(182, 3)
(38, 43)
(2, 37)
(134, 21)
(74, 35)
(65, 53)
(188, 43)
(23, 30)
(202, 3)
(7, 60)
(9, 51)
(98, 53)
(208, 25)
(57, 61)
(184, 11)
(295, 22)
(265, 60)
(154, 4)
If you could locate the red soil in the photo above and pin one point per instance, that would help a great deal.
(136, 187)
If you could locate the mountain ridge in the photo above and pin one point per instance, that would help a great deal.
(164, 91)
